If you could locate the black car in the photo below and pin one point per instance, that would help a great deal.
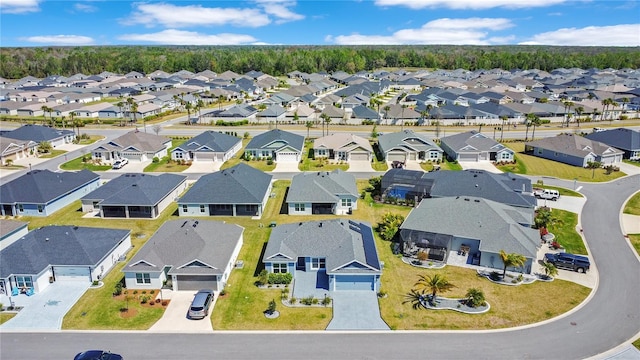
(97, 355)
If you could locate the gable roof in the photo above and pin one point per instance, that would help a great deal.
(141, 141)
(408, 140)
(37, 133)
(240, 184)
(213, 140)
(182, 244)
(363, 112)
(497, 226)
(621, 138)
(342, 141)
(263, 140)
(59, 245)
(571, 144)
(136, 189)
(43, 186)
(471, 141)
(322, 186)
(339, 241)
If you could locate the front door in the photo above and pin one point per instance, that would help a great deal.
(300, 265)
(7, 210)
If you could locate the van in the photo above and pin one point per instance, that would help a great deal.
(199, 308)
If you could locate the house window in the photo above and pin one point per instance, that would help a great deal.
(346, 202)
(505, 155)
(179, 155)
(280, 268)
(318, 263)
(433, 155)
(97, 155)
(266, 153)
(184, 208)
(539, 151)
(299, 207)
(321, 152)
(143, 278)
(201, 208)
(24, 281)
(20, 208)
(41, 208)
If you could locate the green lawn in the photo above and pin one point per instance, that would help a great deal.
(4, 317)
(52, 154)
(533, 165)
(565, 232)
(562, 191)
(78, 164)
(90, 140)
(633, 205)
(449, 165)
(637, 343)
(635, 241)
(238, 158)
(166, 164)
(319, 164)
(636, 163)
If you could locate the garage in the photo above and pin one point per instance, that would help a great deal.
(62, 273)
(354, 282)
(359, 156)
(287, 157)
(205, 156)
(196, 282)
(467, 157)
(396, 156)
(133, 156)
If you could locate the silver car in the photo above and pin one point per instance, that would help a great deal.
(201, 303)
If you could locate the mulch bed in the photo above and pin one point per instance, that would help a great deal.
(131, 312)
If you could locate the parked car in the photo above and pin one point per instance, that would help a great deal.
(573, 262)
(97, 355)
(118, 164)
(598, 129)
(201, 303)
(547, 194)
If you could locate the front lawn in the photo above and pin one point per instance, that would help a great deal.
(320, 164)
(635, 241)
(52, 154)
(450, 165)
(533, 165)
(633, 205)
(565, 231)
(4, 317)
(78, 164)
(90, 140)
(261, 164)
(630, 162)
(166, 164)
(562, 191)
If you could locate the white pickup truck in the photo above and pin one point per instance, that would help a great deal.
(547, 194)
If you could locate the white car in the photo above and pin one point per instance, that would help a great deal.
(118, 164)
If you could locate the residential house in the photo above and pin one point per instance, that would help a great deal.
(475, 146)
(482, 228)
(38, 134)
(334, 255)
(238, 191)
(135, 146)
(208, 146)
(322, 192)
(13, 149)
(60, 254)
(272, 114)
(627, 140)
(188, 254)
(408, 145)
(279, 145)
(43, 192)
(574, 150)
(343, 147)
(10, 232)
(141, 196)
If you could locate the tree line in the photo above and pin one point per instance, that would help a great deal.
(41, 62)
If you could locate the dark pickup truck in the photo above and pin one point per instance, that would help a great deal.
(573, 262)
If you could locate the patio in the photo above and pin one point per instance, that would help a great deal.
(311, 283)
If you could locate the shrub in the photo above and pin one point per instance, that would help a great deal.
(474, 297)
(263, 277)
(152, 292)
(292, 300)
(422, 255)
(270, 161)
(157, 301)
(135, 292)
(314, 301)
(223, 292)
(118, 289)
(307, 300)
(95, 283)
(280, 278)
(165, 303)
(155, 160)
(326, 301)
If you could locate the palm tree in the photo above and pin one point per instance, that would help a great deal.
(613, 105)
(386, 111)
(579, 111)
(474, 297)
(568, 105)
(511, 260)
(120, 105)
(434, 284)
(199, 106)
(404, 106)
(535, 122)
(326, 120)
(45, 109)
(503, 118)
(220, 99)
(550, 270)
(308, 125)
(416, 298)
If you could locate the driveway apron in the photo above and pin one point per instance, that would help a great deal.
(356, 310)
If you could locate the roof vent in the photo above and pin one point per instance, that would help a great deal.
(320, 225)
(476, 200)
(466, 199)
(299, 224)
(46, 239)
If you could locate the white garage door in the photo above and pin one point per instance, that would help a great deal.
(354, 282)
(287, 157)
(205, 157)
(468, 157)
(71, 273)
(133, 156)
(197, 282)
(395, 156)
(359, 156)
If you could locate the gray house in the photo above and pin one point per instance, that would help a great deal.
(322, 193)
(43, 192)
(334, 255)
(134, 145)
(208, 146)
(237, 191)
(140, 196)
(481, 227)
(279, 145)
(190, 254)
(61, 253)
(627, 140)
(475, 146)
(38, 134)
(574, 150)
(343, 146)
(408, 145)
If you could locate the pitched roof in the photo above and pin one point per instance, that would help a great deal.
(471, 141)
(43, 186)
(276, 138)
(136, 189)
(497, 226)
(408, 140)
(188, 247)
(142, 141)
(240, 184)
(571, 144)
(321, 187)
(342, 141)
(9, 226)
(339, 241)
(37, 133)
(209, 141)
(59, 245)
(621, 138)
(363, 112)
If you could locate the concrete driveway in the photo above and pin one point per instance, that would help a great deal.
(175, 316)
(360, 166)
(356, 310)
(132, 167)
(287, 167)
(203, 167)
(44, 311)
(569, 203)
(479, 165)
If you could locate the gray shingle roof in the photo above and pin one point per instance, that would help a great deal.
(37, 133)
(43, 186)
(262, 141)
(141, 141)
(321, 187)
(571, 144)
(340, 241)
(59, 245)
(408, 140)
(621, 138)
(471, 141)
(240, 184)
(494, 224)
(136, 189)
(9, 226)
(217, 142)
(182, 242)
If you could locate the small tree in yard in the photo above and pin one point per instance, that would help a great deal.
(434, 284)
(550, 270)
(474, 297)
(272, 307)
(511, 260)
(263, 277)
(593, 165)
(44, 147)
(389, 225)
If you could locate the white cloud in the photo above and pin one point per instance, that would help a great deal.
(85, 8)
(57, 40)
(471, 31)
(195, 15)
(19, 6)
(280, 10)
(468, 4)
(182, 37)
(616, 35)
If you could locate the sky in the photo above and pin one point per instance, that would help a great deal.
(319, 22)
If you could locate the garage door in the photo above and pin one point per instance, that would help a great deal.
(71, 273)
(205, 157)
(196, 282)
(394, 156)
(354, 282)
(359, 156)
(468, 157)
(133, 156)
(287, 157)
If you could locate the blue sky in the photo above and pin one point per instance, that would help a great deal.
(320, 22)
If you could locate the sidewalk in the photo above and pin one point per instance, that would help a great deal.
(631, 224)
